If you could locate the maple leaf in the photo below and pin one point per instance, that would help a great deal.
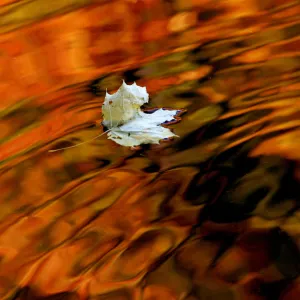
(127, 124)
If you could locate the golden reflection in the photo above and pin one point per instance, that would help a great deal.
(211, 215)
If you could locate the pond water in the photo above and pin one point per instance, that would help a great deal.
(211, 214)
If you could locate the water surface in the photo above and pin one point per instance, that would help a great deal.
(212, 214)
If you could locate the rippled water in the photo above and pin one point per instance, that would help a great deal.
(212, 214)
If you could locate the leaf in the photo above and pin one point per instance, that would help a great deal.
(128, 125)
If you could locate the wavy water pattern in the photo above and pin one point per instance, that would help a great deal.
(212, 214)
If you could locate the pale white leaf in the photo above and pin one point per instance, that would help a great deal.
(128, 125)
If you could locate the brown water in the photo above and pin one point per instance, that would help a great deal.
(212, 214)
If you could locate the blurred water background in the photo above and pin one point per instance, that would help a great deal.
(212, 214)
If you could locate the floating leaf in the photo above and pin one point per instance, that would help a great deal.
(128, 125)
